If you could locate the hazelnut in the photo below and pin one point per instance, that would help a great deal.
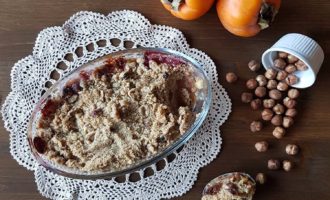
(287, 121)
(279, 109)
(268, 103)
(291, 112)
(282, 54)
(251, 84)
(231, 77)
(267, 114)
(246, 97)
(275, 94)
(292, 59)
(270, 73)
(287, 165)
(301, 66)
(291, 79)
(261, 146)
(256, 126)
(279, 63)
(272, 84)
(260, 91)
(290, 68)
(289, 103)
(279, 132)
(274, 164)
(254, 65)
(282, 86)
(261, 178)
(281, 75)
(277, 120)
(293, 93)
(292, 149)
(256, 104)
(261, 79)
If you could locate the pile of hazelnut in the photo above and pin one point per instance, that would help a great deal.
(271, 93)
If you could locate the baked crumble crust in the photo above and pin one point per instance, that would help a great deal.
(118, 114)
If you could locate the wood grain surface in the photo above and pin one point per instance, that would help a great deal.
(21, 20)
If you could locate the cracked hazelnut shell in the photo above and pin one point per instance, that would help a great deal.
(261, 178)
(293, 93)
(277, 120)
(260, 91)
(271, 84)
(282, 55)
(292, 59)
(287, 165)
(290, 68)
(231, 77)
(261, 79)
(270, 73)
(282, 86)
(254, 65)
(246, 97)
(274, 164)
(279, 132)
(281, 75)
(256, 126)
(267, 114)
(279, 63)
(261, 146)
(287, 122)
(292, 149)
(268, 103)
(275, 94)
(256, 104)
(251, 84)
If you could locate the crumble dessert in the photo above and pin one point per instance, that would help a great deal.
(118, 114)
(232, 186)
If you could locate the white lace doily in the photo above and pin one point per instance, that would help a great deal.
(56, 52)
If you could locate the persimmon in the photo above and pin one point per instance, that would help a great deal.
(187, 9)
(247, 18)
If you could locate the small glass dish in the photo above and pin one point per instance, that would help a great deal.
(202, 104)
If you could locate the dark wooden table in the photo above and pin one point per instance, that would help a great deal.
(21, 20)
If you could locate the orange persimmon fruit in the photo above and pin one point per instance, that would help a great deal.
(187, 9)
(247, 18)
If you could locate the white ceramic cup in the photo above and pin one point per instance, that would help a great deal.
(304, 48)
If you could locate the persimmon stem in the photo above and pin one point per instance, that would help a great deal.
(175, 4)
(267, 15)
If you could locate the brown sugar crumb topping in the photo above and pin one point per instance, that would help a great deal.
(118, 114)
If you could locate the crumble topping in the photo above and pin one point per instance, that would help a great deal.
(117, 114)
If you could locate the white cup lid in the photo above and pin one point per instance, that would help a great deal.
(302, 47)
